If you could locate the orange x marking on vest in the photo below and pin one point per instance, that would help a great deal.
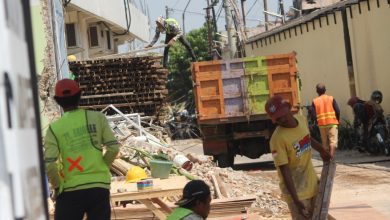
(75, 164)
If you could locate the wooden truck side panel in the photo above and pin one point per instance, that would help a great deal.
(228, 91)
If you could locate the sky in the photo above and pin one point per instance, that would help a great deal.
(195, 14)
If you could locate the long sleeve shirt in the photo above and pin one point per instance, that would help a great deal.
(335, 107)
(100, 134)
(171, 28)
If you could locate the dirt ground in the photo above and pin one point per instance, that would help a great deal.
(361, 183)
(360, 179)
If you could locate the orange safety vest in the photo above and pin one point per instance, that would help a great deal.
(325, 112)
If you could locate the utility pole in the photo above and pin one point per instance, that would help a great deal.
(243, 13)
(184, 12)
(209, 28)
(281, 5)
(230, 29)
(214, 19)
(166, 11)
(265, 14)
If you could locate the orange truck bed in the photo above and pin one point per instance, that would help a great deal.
(236, 90)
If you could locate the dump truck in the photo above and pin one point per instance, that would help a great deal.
(230, 96)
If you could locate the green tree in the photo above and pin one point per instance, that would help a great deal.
(179, 79)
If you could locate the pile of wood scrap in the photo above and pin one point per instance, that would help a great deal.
(219, 208)
(226, 184)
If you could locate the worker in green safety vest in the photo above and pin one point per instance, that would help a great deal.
(195, 203)
(76, 165)
(173, 33)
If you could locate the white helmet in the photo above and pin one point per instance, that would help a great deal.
(160, 20)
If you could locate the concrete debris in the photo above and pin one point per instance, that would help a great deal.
(239, 183)
(224, 182)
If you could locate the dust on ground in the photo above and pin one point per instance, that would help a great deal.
(360, 177)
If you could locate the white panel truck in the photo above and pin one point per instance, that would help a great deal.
(22, 180)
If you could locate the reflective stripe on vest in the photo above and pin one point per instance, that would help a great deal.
(179, 213)
(171, 22)
(82, 162)
(325, 113)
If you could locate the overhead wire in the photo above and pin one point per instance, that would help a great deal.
(250, 9)
(219, 11)
(203, 14)
(174, 5)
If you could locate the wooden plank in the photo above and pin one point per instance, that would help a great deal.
(162, 204)
(219, 208)
(222, 186)
(216, 187)
(123, 191)
(325, 190)
(160, 215)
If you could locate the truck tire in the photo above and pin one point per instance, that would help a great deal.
(225, 160)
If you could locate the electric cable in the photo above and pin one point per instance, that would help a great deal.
(250, 9)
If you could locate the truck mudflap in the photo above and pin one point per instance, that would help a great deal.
(215, 147)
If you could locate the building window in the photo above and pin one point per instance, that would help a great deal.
(93, 36)
(71, 35)
(108, 34)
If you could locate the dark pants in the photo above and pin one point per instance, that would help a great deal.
(95, 202)
(183, 41)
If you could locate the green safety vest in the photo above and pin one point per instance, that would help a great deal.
(179, 213)
(82, 162)
(171, 21)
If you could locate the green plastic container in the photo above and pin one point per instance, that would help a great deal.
(160, 168)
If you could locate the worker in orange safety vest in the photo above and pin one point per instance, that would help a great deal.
(327, 113)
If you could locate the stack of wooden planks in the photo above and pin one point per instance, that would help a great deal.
(132, 84)
(219, 208)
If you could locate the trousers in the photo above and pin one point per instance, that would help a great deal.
(182, 41)
(94, 202)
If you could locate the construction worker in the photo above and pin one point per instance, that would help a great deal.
(173, 33)
(360, 118)
(76, 166)
(195, 203)
(291, 146)
(327, 113)
(374, 109)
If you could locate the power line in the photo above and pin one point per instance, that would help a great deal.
(250, 9)
(203, 14)
(174, 5)
(219, 11)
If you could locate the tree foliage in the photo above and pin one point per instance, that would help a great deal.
(179, 65)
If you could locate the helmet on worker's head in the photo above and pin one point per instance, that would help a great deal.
(71, 58)
(377, 96)
(277, 107)
(66, 88)
(135, 174)
(160, 20)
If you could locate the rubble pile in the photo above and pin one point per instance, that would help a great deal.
(239, 184)
(223, 182)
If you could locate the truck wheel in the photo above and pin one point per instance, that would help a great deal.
(225, 160)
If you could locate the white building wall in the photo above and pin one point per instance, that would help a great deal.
(113, 11)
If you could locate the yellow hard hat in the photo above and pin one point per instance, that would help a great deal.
(135, 174)
(71, 58)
